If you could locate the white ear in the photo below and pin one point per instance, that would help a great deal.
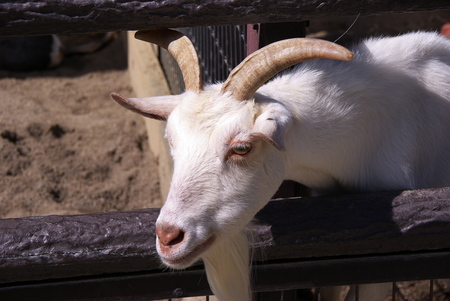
(272, 124)
(158, 107)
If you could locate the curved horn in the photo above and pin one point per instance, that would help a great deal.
(263, 64)
(182, 49)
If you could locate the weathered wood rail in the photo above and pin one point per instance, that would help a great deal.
(37, 17)
(303, 241)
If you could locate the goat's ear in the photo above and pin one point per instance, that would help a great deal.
(272, 125)
(158, 107)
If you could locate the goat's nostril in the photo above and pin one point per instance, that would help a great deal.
(169, 236)
(177, 239)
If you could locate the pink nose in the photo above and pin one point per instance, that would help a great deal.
(169, 235)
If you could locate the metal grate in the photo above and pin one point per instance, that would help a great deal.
(431, 290)
(219, 48)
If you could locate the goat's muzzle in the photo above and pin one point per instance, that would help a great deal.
(176, 249)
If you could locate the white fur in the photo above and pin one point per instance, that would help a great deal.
(227, 266)
(379, 122)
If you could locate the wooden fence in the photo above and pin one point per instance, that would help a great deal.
(37, 17)
(305, 242)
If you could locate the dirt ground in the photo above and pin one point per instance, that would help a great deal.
(66, 147)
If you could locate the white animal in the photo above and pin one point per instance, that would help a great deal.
(378, 122)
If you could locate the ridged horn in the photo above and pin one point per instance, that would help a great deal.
(262, 65)
(182, 49)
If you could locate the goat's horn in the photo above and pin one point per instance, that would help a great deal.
(182, 49)
(263, 64)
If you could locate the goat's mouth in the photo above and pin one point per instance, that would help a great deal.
(180, 261)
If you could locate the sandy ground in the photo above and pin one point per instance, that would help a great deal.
(65, 147)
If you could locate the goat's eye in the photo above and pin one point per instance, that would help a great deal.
(241, 148)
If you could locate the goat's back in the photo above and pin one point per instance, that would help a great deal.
(381, 121)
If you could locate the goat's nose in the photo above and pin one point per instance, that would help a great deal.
(169, 235)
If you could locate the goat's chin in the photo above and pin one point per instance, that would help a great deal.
(181, 259)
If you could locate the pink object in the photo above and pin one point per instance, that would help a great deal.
(445, 30)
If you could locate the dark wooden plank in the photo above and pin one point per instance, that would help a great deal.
(288, 275)
(354, 224)
(78, 16)
(137, 287)
(272, 276)
(38, 248)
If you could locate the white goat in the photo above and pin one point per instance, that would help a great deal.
(379, 122)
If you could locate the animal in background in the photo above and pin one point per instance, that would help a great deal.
(40, 52)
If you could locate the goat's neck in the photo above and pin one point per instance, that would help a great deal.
(314, 139)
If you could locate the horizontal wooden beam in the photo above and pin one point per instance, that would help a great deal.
(377, 223)
(271, 276)
(39, 248)
(38, 17)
